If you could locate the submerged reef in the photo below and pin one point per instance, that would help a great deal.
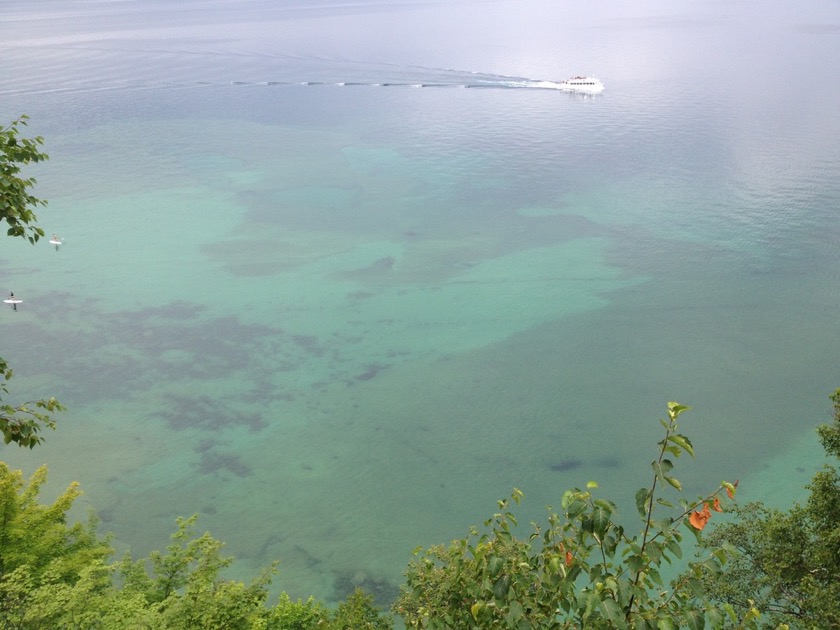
(206, 413)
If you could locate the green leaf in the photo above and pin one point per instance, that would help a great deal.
(515, 613)
(575, 508)
(673, 482)
(683, 442)
(696, 587)
(675, 409)
(666, 623)
(494, 565)
(695, 620)
(566, 500)
(642, 497)
(606, 505)
(674, 547)
(601, 519)
(501, 587)
(635, 563)
(612, 612)
(662, 468)
(654, 551)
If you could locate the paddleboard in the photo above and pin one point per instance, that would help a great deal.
(52, 242)
(15, 301)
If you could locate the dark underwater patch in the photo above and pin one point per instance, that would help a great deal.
(566, 465)
(372, 370)
(213, 463)
(206, 413)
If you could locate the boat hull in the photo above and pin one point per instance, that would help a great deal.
(590, 85)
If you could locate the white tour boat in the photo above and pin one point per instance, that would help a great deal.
(582, 84)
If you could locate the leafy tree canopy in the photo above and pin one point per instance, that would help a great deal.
(55, 575)
(580, 570)
(21, 423)
(16, 200)
(788, 562)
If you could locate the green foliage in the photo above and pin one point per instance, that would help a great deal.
(579, 570)
(37, 536)
(57, 575)
(789, 561)
(185, 585)
(16, 200)
(42, 558)
(21, 423)
(358, 612)
(289, 615)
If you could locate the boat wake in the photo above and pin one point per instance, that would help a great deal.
(500, 84)
(97, 68)
(373, 74)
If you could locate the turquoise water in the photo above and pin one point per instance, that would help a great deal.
(339, 315)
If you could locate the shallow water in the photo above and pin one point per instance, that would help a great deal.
(339, 315)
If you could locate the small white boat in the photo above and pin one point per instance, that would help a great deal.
(582, 84)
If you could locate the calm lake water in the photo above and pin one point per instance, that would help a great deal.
(337, 277)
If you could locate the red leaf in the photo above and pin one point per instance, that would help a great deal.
(698, 520)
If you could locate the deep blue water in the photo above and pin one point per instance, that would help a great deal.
(338, 276)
